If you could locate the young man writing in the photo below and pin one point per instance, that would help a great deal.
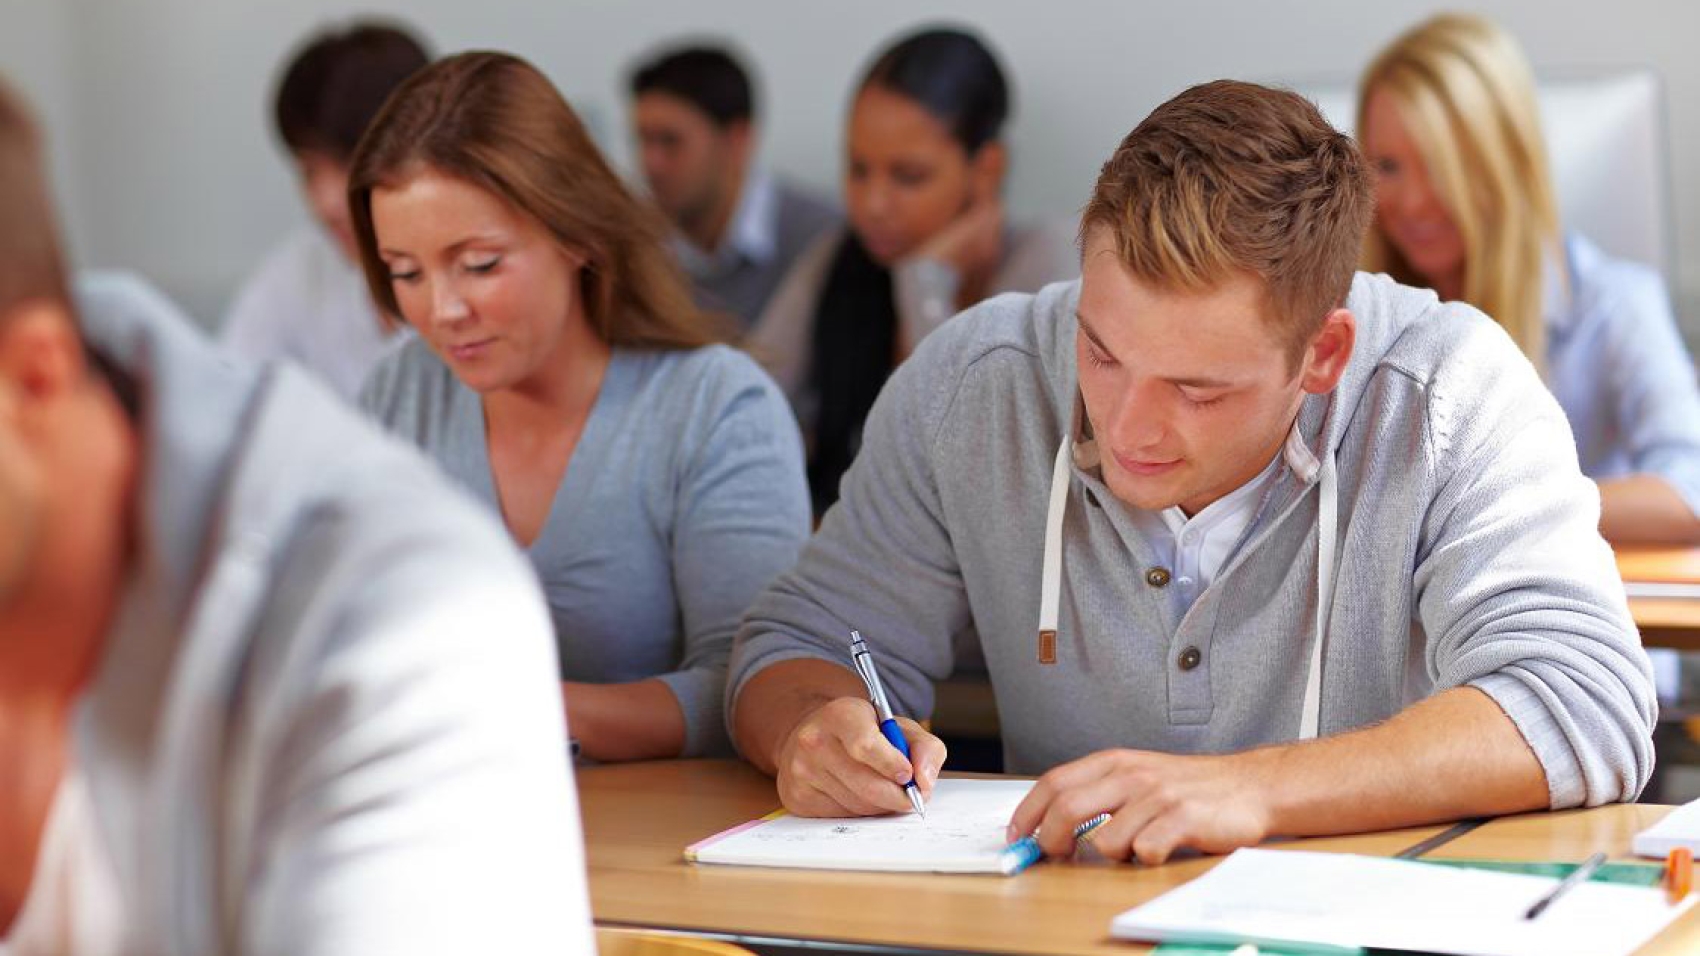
(1138, 490)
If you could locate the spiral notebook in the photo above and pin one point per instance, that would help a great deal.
(963, 833)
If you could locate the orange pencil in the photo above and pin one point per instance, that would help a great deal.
(1679, 873)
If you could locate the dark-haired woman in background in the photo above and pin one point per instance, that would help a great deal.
(927, 238)
(562, 374)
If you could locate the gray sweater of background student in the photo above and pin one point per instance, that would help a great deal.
(1468, 555)
(684, 498)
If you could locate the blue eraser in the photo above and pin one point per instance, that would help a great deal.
(1019, 855)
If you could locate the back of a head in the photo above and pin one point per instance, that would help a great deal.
(31, 265)
(338, 81)
(708, 78)
(1231, 178)
(1467, 93)
(953, 76)
(495, 121)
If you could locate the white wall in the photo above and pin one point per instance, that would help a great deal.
(162, 104)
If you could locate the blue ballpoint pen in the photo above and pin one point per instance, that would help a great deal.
(864, 662)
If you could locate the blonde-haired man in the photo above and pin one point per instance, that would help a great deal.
(1138, 490)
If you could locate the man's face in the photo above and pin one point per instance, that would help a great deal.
(67, 457)
(686, 158)
(1190, 395)
(324, 185)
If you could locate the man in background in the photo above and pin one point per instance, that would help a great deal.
(738, 226)
(308, 300)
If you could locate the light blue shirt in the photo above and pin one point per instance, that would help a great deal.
(751, 237)
(1619, 368)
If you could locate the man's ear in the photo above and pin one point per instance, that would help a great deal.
(41, 353)
(741, 141)
(1329, 352)
(987, 169)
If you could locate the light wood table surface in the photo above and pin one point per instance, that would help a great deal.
(1668, 619)
(638, 818)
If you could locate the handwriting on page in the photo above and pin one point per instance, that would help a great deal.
(963, 833)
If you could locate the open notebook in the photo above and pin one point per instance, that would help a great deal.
(1341, 901)
(963, 833)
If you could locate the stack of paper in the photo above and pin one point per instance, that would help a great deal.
(963, 833)
(1680, 827)
(1276, 897)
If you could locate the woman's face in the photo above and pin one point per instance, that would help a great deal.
(484, 285)
(1408, 211)
(906, 178)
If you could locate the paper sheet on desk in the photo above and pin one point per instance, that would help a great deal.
(1680, 827)
(1335, 899)
(963, 833)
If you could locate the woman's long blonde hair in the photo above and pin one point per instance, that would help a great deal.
(1467, 94)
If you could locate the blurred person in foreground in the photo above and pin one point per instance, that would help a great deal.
(267, 684)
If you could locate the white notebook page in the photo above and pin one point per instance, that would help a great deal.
(963, 833)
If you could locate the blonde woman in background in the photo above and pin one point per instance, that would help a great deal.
(1465, 205)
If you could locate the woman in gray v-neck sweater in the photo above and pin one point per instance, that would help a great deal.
(658, 477)
(684, 498)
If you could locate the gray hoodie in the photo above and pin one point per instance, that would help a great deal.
(325, 720)
(1465, 552)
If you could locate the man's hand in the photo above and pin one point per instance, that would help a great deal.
(1158, 803)
(973, 242)
(835, 763)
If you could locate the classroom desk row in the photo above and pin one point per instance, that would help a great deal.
(638, 818)
(1664, 594)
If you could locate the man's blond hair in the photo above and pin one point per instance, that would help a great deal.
(1232, 178)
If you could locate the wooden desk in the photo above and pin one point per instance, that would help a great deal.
(638, 819)
(1670, 619)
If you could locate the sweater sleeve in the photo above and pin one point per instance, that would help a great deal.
(742, 517)
(1518, 593)
(416, 794)
(883, 562)
(258, 325)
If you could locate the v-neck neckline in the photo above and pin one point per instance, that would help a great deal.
(576, 480)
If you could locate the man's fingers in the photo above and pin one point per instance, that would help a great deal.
(926, 754)
(867, 790)
(1162, 836)
(1115, 840)
(1037, 804)
(1071, 809)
